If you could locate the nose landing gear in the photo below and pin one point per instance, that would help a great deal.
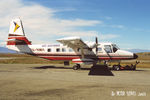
(127, 67)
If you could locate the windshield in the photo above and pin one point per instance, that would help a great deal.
(108, 48)
(115, 47)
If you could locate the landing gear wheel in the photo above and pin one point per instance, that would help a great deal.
(116, 67)
(133, 67)
(76, 67)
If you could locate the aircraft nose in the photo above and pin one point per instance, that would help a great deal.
(135, 56)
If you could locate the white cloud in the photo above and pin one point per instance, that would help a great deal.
(40, 22)
(66, 9)
(79, 22)
(113, 26)
(2, 44)
(117, 26)
(107, 36)
(80, 33)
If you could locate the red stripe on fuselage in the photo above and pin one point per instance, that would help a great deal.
(75, 54)
(59, 58)
(55, 56)
(77, 57)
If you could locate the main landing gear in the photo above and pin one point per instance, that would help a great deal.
(76, 67)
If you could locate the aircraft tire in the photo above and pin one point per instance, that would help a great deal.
(133, 67)
(116, 67)
(76, 67)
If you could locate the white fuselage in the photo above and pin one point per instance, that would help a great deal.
(61, 52)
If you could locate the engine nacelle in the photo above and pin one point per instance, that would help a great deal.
(83, 61)
(91, 44)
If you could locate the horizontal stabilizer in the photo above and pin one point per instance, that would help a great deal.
(15, 40)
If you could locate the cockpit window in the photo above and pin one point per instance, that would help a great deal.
(99, 49)
(115, 48)
(108, 48)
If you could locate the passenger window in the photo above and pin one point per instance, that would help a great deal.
(70, 50)
(48, 50)
(57, 49)
(108, 48)
(63, 50)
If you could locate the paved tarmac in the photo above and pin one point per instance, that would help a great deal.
(55, 82)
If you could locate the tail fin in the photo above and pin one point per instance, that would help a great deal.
(16, 34)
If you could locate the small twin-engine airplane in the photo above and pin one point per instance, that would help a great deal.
(72, 48)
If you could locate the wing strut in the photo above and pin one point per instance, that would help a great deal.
(82, 53)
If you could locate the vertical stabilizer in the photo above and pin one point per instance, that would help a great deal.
(16, 33)
(16, 28)
(16, 38)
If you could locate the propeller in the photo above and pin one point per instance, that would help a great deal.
(96, 42)
(95, 45)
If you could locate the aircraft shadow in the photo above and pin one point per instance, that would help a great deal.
(100, 70)
(53, 67)
(94, 70)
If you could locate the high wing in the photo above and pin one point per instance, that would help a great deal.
(78, 46)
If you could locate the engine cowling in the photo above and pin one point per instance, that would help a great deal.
(83, 61)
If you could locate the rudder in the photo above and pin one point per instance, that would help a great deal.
(16, 33)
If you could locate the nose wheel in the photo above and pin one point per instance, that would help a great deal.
(76, 67)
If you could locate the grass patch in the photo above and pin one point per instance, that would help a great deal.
(144, 56)
(25, 59)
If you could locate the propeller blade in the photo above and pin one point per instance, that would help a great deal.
(96, 41)
(96, 49)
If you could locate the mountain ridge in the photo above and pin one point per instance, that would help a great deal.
(6, 50)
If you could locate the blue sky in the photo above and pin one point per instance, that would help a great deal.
(133, 15)
(124, 22)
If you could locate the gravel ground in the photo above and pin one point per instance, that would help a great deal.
(55, 82)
